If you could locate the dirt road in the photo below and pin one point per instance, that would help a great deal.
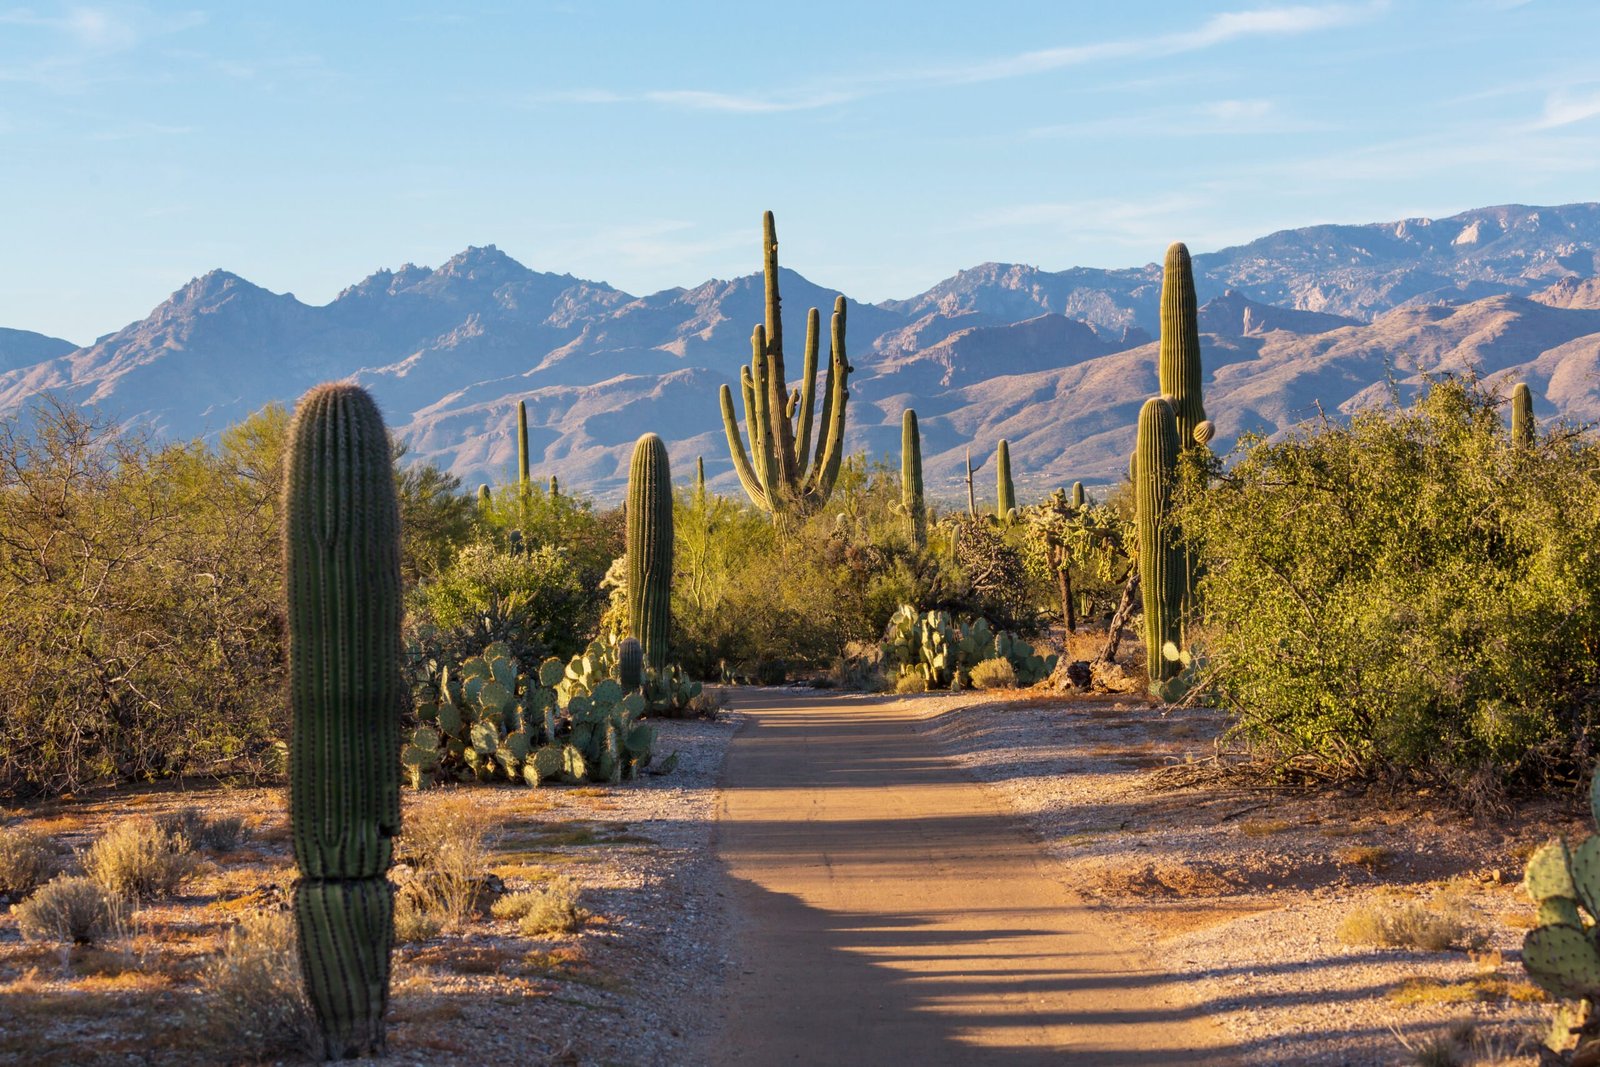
(887, 910)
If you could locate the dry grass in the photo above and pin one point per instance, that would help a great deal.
(1371, 857)
(911, 682)
(1410, 926)
(994, 674)
(254, 1004)
(139, 861)
(219, 833)
(72, 909)
(27, 858)
(542, 912)
(1264, 827)
(445, 840)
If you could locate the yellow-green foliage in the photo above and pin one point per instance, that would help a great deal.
(139, 861)
(1406, 590)
(911, 682)
(994, 674)
(1408, 925)
(552, 909)
(73, 909)
(26, 859)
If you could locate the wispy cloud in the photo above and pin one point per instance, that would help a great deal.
(69, 50)
(1218, 30)
(1564, 107)
(1215, 118)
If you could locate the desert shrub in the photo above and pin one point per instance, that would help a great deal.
(911, 682)
(1407, 592)
(219, 833)
(141, 634)
(26, 859)
(861, 666)
(414, 920)
(254, 1003)
(73, 909)
(552, 909)
(445, 841)
(995, 582)
(1408, 926)
(138, 860)
(994, 674)
(533, 600)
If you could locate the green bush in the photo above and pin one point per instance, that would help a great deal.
(533, 600)
(1407, 592)
(994, 674)
(137, 860)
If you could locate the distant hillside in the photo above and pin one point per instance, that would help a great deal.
(1058, 362)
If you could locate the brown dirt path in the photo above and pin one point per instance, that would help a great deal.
(887, 910)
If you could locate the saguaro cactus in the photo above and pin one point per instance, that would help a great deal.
(649, 546)
(555, 487)
(522, 446)
(1161, 574)
(1522, 425)
(1077, 494)
(1005, 491)
(911, 479)
(630, 664)
(1179, 368)
(699, 481)
(485, 499)
(779, 471)
(341, 547)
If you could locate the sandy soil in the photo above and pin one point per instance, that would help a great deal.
(1244, 889)
(637, 984)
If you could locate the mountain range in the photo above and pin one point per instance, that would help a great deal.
(1056, 362)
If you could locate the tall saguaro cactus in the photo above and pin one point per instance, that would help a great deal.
(649, 547)
(522, 447)
(911, 479)
(1005, 494)
(1179, 367)
(1522, 425)
(782, 471)
(1161, 573)
(341, 548)
(1077, 494)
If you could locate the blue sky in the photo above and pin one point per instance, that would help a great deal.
(303, 145)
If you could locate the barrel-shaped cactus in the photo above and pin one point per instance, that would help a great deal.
(649, 547)
(911, 499)
(522, 446)
(1161, 559)
(341, 547)
(1179, 367)
(1522, 425)
(1005, 491)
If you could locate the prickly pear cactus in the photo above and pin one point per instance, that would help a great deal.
(944, 649)
(1560, 953)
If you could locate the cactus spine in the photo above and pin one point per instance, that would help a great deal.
(649, 547)
(780, 471)
(1077, 494)
(341, 538)
(1179, 368)
(1161, 559)
(1005, 491)
(1522, 425)
(911, 479)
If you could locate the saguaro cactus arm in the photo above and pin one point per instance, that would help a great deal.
(741, 457)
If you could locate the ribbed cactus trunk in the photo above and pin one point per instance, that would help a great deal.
(649, 546)
(1522, 424)
(1077, 494)
(1179, 369)
(630, 664)
(783, 471)
(1161, 574)
(341, 547)
(1005, 492)
(522, 447)
(485, 499)
(699, 481)
(911, 480)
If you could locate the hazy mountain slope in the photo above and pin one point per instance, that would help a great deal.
(1059, 362)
